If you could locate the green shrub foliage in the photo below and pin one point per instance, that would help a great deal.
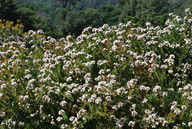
(109, 77)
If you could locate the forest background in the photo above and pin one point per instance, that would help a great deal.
(58, 18)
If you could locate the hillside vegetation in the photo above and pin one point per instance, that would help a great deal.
(59, 18)
(108, 77)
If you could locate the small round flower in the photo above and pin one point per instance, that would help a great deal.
(71, 118)
(59, 119)
(148, 24)
(170, 71)
(187, 10)
(144, 100)
(183, 107)
(1, 94)
(98, 100)
(177, 111)
(63, 103)
(175, 127)
(190, 124)
(40, 32)
(64, 126)
(2, 114)
(21, 124)
(131, 123)
(61, 112)
(156, 88)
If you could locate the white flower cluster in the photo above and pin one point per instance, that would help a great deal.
(133, 77)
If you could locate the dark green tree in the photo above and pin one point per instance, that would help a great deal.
(67, 3)
(85, 4)
(76, 21)
(110, 14)
(27, 17)
(143, 10)
(122, 2)
(178, 6)
(8, 10)
(60, 21)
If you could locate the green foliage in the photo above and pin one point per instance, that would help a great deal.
(8, 10)
(59, 21)
(140, 11)
(109, 14)
(68, 3)
(53, 16)
(179, 5)
(76, 21)
(8, 29)
(27, 18)
(122, 2)
(93, 4)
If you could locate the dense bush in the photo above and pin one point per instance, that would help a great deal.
(109, 77)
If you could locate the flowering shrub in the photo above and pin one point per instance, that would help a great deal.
(108, 77)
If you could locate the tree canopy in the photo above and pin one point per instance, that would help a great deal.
(61, 17)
